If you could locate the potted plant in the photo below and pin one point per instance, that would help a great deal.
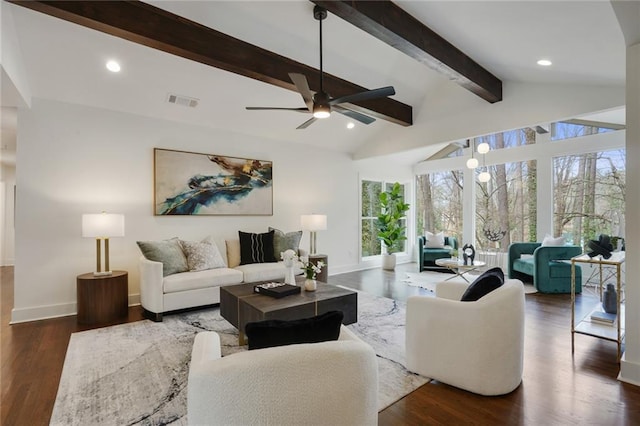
(390, 229)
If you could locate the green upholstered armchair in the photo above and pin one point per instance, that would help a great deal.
(427, 256)
(550, 275)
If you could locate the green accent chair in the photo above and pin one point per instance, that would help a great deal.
(427, 256)
(549, 273)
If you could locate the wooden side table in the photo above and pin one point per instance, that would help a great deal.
(324, 273)
(102, 299)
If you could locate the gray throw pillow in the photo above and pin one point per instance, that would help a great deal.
(202, 255)
(169, 252)
(283, 242)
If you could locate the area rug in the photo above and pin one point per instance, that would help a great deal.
(429, 279)
(136, 373)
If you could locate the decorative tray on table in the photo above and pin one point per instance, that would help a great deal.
(276, 290)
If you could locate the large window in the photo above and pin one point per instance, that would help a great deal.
(439, 203)
(371, 190)
(567, 130)
(589, 195)
(506, 206)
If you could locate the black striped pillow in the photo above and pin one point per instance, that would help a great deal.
(256, 248)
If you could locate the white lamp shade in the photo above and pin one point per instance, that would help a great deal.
(102, 225)
(472, 163)
(483, 148)
(313, 222)
(484, 177)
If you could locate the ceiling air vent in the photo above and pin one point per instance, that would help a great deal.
(182, 100)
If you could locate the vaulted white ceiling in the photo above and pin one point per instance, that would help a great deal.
(65, 61)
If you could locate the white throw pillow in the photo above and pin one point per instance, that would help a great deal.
(553, 241)
(434, 240)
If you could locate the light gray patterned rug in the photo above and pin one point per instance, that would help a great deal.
(136, 373)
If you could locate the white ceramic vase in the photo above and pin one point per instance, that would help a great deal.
(310, 284)
(389, 262)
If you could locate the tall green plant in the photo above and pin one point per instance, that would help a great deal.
(393, 208)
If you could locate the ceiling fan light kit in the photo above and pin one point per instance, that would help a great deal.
(320, 104)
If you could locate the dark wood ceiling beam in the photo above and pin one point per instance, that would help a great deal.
(389, 23)
(153, 27)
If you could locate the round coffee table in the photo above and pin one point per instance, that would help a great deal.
(459, 267)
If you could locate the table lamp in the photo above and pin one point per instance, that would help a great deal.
(313, 223)
(102, 226)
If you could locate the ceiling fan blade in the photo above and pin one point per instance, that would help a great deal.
(364, 119)
(303, 87)
(363, 96)
(301, 109)
(307, 123)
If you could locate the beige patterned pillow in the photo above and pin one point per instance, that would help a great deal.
(202, 255)
(233, 253)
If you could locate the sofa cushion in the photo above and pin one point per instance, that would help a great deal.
(168, 252)
(201, 279)
(255, 272)
(321, 328)
(256, 248)
(283, 242)
(526, 266)
(233, 253)
(202, 255)
(483, 285)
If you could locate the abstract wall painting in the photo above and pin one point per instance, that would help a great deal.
(189, 183)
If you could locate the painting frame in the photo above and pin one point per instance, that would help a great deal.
(189, 183)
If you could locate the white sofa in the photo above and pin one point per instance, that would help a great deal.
(476, 346)
(160, 294)
(328, 383)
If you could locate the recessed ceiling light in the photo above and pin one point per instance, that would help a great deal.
(113, 66)
(544, 62)
(350, 125)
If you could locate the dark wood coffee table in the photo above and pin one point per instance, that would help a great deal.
(239, 304)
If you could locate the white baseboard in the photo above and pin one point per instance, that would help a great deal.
(37, 313)
(629, 371)
(362, 266)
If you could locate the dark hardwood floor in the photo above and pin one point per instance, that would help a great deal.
(557, 389)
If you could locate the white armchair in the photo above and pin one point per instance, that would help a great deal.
(328, 383)
(477, 346)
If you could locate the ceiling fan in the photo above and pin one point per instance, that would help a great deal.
(321, 104)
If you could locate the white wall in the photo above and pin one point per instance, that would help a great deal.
(7, 185)
(74, 160)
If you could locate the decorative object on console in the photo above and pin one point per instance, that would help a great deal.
(390, 228)
(313, 223)
(189, 183)
(102, 226)
(610, 299)
(601, 247)
(289, 257)
(468, 253)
